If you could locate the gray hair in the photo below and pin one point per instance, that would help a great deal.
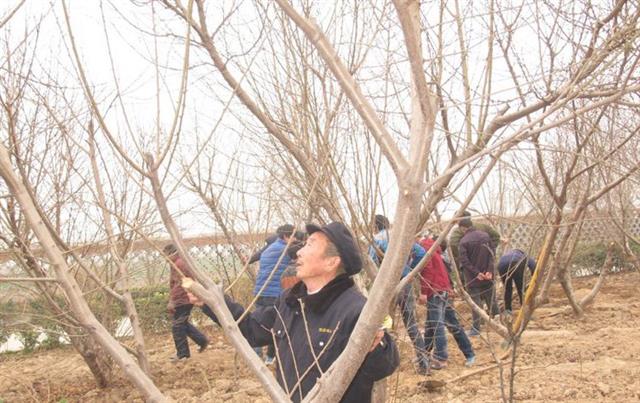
(332, 250)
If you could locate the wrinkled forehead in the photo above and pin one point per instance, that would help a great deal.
(318, 237)
(319, 240)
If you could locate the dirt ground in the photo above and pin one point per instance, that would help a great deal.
(561, 358)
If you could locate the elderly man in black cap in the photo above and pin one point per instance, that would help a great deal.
(311, 323)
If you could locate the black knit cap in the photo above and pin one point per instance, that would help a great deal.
(285, 230)
(346, 245)
(169, 249)
(381, 222)
(465, 223)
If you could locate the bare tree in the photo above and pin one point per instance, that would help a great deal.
(339, 130)
(72, 291)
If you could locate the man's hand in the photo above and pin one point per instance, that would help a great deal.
(194, 300)
(376, 341)
(480, 276)
(187, 283)
(387, 323)
(422, 299)
(171, 308)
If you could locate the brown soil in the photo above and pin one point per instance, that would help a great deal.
(561, 358)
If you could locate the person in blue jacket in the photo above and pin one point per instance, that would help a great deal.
(273, 260)
(512, 266)
(406, 299)
(296, 245)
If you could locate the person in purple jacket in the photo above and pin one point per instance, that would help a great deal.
(511, 267)
(476, 254)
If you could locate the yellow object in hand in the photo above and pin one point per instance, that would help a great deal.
(187, 283)
(387, 323)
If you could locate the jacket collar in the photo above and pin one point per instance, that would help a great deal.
(382, 235)
(322, 300)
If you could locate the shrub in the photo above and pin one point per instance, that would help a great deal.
(591, 257)
(4, 332)
(151, 304)
(29, 339)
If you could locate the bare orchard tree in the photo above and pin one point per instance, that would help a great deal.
(119, 243)
(72, 290)
(371, 107)
(48, 234)
(19, 240)
(606, 45)
(620, 207)
(213, 292)
(51, 211)
(576, 170)
(596, 165)
(43, 164)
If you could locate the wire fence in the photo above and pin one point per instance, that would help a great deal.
(214, 254)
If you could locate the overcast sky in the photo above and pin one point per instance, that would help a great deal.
(116, 46)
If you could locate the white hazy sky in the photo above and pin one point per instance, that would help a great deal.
(102, 30)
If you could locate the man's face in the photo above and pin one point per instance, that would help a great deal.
(312, 261)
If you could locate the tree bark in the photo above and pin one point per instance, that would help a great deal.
(564, 276)
(379, 394)
(99, 363)
(589, 298)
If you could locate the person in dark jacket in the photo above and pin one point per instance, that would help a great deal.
(311, 323)
(511, 267)
(476, 254)
(457, 234)
(180, 305)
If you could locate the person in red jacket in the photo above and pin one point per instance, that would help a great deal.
(180, 305)
(435, 288)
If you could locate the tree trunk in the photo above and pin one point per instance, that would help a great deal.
(588, 299)
(123, 271)
(138, 337)
(99, 363)
(379, 394)
(565, 281)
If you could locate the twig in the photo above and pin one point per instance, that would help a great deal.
(33, 279)
(478, 371)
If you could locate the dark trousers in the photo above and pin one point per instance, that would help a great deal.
(265, 302)
(182, 329)
(483, 294)
(513, 274)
